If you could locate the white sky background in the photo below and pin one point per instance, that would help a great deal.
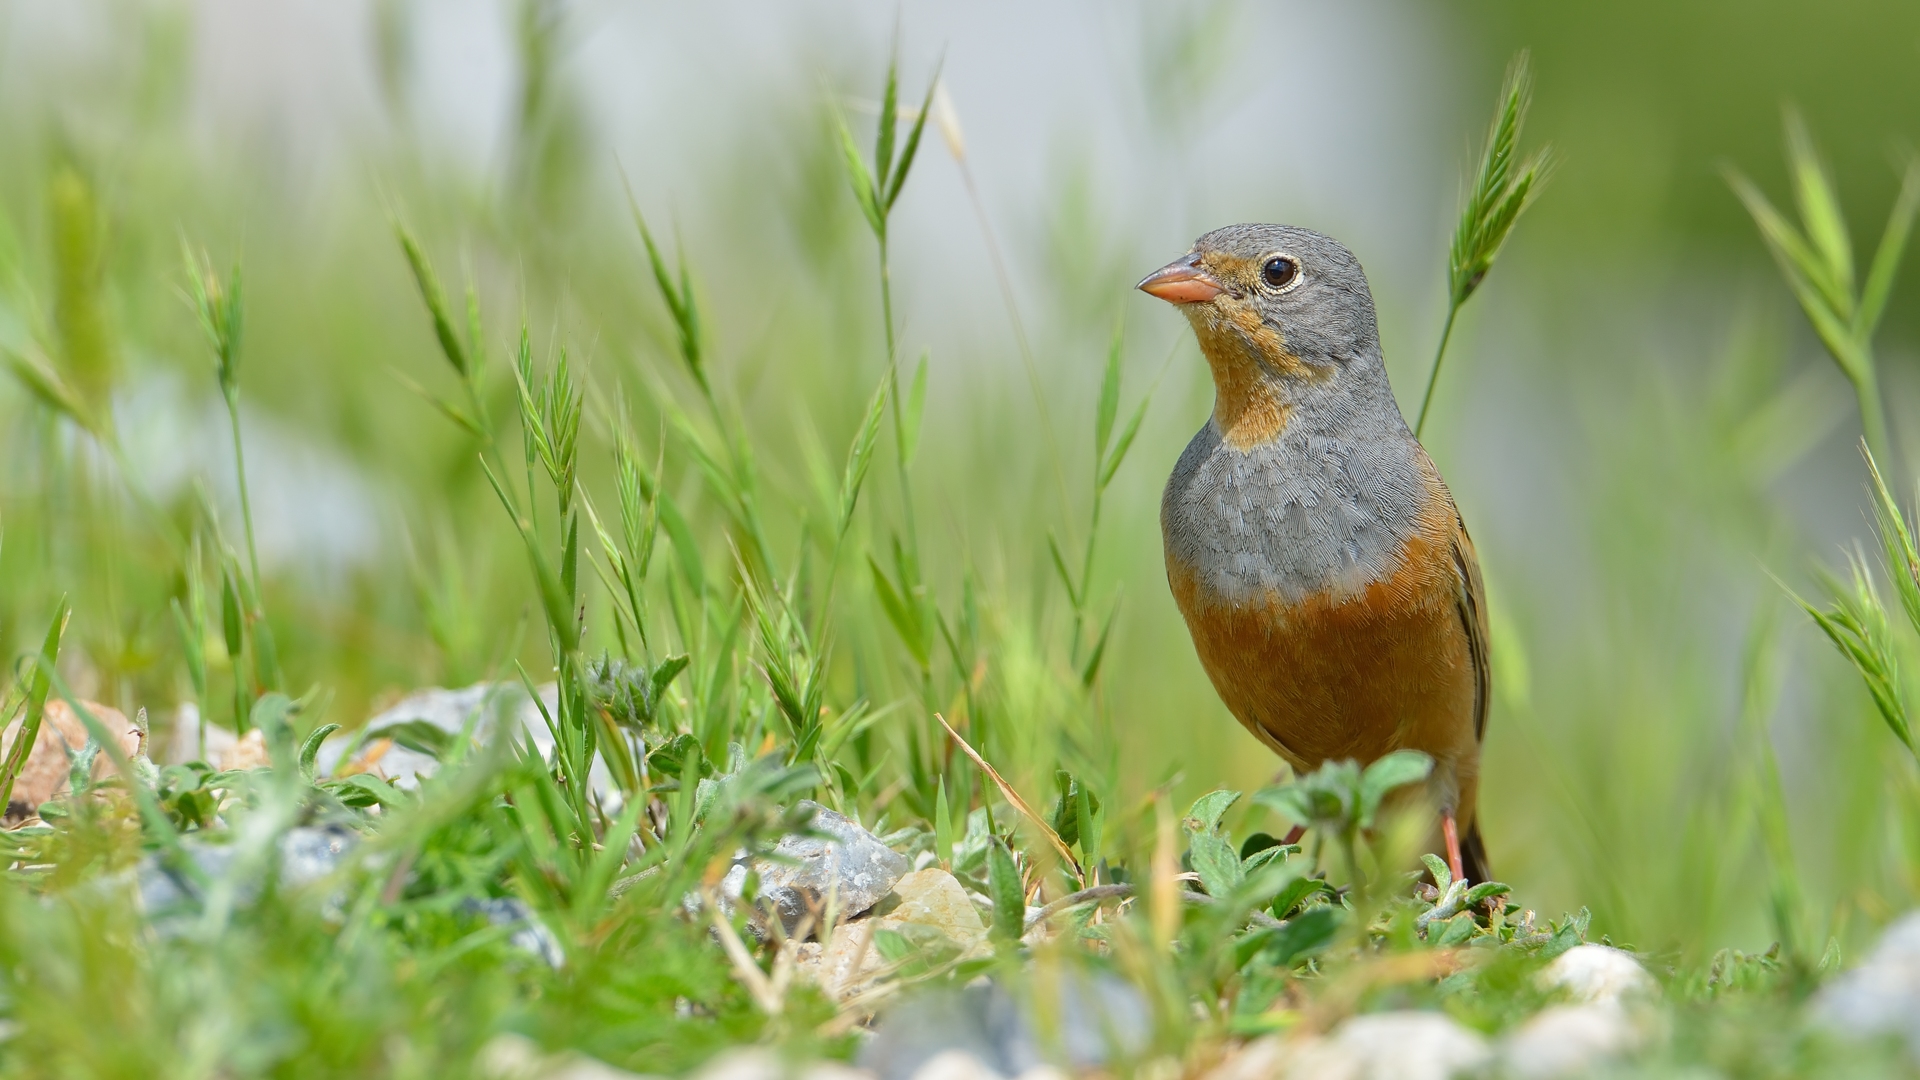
(1336, 116)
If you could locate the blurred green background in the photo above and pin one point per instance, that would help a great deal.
(1640, 429)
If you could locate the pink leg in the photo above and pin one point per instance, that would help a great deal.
(1451, 830)
(1294, 834)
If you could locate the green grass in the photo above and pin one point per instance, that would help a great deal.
(770, 546)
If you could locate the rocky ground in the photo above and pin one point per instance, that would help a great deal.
(837, 908)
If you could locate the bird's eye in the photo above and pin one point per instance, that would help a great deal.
(1279, 272)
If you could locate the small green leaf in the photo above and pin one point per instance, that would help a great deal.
(1297, 892)
(310, 749)
(664, 675)
(1442, 877)
(1394, 770)
(942, 828)
(671, 759)
(1485, 891)
(1277, 852)
(1459, 930)
(1009, 897)
(1207, 810)
(1217, 864)
(1302, 936)
(362, 790)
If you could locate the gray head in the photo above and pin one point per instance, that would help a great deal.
(1302, 285)
(1286, 322)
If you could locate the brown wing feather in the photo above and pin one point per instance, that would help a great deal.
(1471, 597)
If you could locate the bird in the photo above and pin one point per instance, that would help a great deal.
(1316, 555)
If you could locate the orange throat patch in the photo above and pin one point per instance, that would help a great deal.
(1247, 407)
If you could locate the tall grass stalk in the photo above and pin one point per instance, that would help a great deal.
(1105, 466)
(876, 188)
(1816, 258)
(216, 305)
(1503, 188)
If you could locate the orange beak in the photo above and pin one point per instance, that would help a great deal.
(1182, 281)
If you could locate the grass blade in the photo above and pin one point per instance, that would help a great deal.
(860, 454)
(913, 143)
(23, 741)
(1109, 407)
(1124, 443)
(860, 179)
(916, 406)
(436, 299)
(1886, 258)
(888, 124)
(1820, 210)
(1896, 539)
(1009, 897)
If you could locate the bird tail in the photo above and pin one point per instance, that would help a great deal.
(1473, 856)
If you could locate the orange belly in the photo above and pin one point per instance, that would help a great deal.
(1355, 677)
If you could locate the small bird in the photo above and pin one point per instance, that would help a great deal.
(1319, 561)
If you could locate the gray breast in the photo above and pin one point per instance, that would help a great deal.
(1308, 513)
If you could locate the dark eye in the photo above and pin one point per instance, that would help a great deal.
(1279, 271)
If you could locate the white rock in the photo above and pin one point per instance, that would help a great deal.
(956, 1065)
(516, 1057)
(1565, 1040)
(1261, 1059)
(759, 1063)
(844, 867)
(1386, 1046)
(176, 740)
(483, 704)
(746, 1063)
(247, 752)
(933, 913)
(1098, 1019)
(1598, 973)
(933, 901)
(1882, 995)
